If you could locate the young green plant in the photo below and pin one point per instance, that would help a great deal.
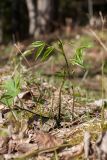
(44, 51)
(12, 89)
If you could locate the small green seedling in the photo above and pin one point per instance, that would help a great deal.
(12, 89)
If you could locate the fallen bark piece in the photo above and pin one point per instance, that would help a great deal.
(101, 146)
(71, 152)
(100, 102)
(87, 145)
(25, 147)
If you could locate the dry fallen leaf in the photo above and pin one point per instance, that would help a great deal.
(23, 95)
(2, 106)
(4, 145)
(46, 140)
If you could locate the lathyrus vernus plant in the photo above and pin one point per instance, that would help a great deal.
(44, 51)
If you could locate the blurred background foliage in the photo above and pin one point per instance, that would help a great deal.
(20, 19)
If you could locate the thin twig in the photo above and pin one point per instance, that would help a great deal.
(102, 20)
(99, 40)
(22, 55)
(27, 110)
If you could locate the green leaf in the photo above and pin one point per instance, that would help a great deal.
(28, 52)
(47, 53)
(17, 81)
(38, 44)
(60, 74)
(6, 99)
(12, 89)
(78, 57)
(39, 51)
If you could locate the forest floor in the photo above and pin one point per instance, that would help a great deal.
(45, 115)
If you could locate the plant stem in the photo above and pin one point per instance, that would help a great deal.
(66, 61)
(68, 72)
(59, 105)
(73, 104)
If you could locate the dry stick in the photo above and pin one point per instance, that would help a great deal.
(102, 89)
(24, 109)
(102, 20)
(36, 151)
(99, 40)
(102, 70)
(87, 144)
(22, 55)
(27, 110)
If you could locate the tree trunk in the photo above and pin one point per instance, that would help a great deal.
(90, 8)
(32, 16)
(16, 19)
(1, 31)
(45, 10)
